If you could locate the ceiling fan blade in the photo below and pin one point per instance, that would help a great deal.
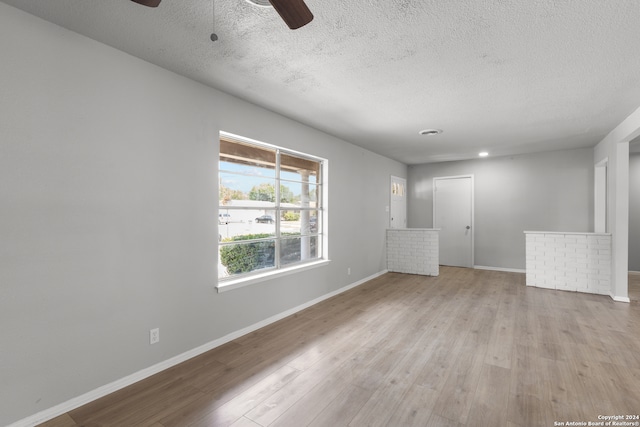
(295, 13)
(150, 3)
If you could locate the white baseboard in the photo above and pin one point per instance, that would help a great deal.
(99, 392)
(634, 273)
(620, 299)
(508, 270)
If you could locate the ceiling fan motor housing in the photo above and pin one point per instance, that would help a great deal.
(262, 3)
(294, 13)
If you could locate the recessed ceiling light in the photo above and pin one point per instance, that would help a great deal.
(430, 132)
(483, 154)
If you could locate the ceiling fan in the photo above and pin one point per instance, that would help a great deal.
(295, 13)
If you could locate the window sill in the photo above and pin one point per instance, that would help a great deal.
(229, 285)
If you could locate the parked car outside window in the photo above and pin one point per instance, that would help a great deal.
(267, 219)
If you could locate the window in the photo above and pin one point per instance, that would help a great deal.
(270, 208)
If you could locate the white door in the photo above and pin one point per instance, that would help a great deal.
(453, 215)
(398, 215)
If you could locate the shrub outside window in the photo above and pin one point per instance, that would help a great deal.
(270, 208)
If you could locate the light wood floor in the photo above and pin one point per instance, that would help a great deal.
(468, 348)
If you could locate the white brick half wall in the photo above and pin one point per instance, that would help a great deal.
(413, 251)
(579, 262)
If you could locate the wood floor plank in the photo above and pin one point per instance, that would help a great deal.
(245, 422)
(381, 406)
(342, 408)
(393, 387)
(328, 344)
(624, 350)
(203, 411)
(621, 385)
(530, 411)
(487, 408)
(565, 393)
(438, 421)
(616, 387)
(469, 347)
(457, 394)
(306, 409)
(499, 349)
(148, 411)
(278, 403)
(63, 420)
(415, 409)
(142, 407)
(525, 374)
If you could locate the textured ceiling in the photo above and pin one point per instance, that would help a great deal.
(505, 76)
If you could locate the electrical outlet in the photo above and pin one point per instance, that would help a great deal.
(154, 335)
(349, 271)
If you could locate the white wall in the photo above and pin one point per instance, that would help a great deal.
(634, 212)
(551, 191)
(108, 170)
(615, 149)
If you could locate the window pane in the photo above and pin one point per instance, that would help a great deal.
(244, 257)
(296, 176)
(298, 194)
(295, 249)
(299, 222)
(248, 170)
(246, 191)
(269, 203)
(243, 223)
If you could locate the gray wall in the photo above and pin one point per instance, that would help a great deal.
(108, 170)
(634, 211)
(551, 191)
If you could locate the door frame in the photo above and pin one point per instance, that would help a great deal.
(473, 204)
(600, 196)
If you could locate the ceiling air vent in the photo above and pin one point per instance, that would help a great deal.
(430, 132)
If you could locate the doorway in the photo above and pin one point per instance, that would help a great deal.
(453, 215)
(398, 214)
